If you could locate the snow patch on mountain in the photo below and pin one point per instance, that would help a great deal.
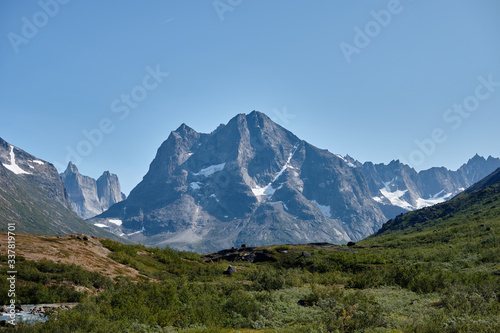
(195, 185)
(13, 166)
(115, 221)
(208, 171)
(433, 200)
(346, 161)
(136, 232)
(268, 189)
(394, 197)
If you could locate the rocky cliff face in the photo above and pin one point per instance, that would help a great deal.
(109, 190)
(252, 181)
(33, 197)
(40, 174)
(89, 197)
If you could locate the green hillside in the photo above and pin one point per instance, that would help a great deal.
(432, 270)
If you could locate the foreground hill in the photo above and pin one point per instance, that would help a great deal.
(88, 252)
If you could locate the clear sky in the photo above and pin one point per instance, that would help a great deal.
(378, 80)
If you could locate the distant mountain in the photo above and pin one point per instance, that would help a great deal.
(33, 196)
(90, 197)
(252, 181)
(490, 180)
(478, 204)
(399, 188)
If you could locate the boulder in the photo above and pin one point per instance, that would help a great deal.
(306, 254)
(19, 308)
(230, 270)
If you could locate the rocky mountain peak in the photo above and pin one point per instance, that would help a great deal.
(71, 169)
(185, 130)
(253, 181)
(89, 197)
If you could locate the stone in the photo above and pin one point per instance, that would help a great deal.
(230, 270)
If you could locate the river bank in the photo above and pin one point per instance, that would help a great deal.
(30, 312)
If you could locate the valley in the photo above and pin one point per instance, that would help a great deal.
(434, 269)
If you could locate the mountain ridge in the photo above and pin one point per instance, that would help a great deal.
(253, 181)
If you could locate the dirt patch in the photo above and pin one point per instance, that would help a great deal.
(84, 251)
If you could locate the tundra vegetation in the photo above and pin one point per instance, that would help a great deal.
(433, 270)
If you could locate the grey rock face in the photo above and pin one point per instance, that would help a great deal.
(33, 197)
(251, 181)
(109, 190)
(90, 197)
(40, 174)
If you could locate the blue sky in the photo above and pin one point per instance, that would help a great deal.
(378, 80)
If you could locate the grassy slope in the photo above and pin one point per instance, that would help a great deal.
(462, 233)
(433, 270)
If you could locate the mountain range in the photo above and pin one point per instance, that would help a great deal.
(419, 273)
(252, 181)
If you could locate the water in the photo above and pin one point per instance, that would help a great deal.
(26, 316)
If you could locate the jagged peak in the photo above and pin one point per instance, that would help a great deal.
(477, 157)
(258, 114)
(71, 168)
(106, 174)
(395, 162)
(184, 129)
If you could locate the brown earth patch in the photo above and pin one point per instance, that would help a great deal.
(84, 251)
